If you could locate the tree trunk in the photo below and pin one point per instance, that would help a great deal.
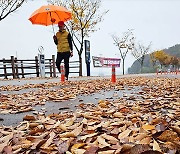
(141, 67)
(80, 65)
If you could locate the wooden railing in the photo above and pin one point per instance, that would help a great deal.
(16, 68)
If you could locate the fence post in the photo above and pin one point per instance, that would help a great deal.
(16, 67)
(22, 69)
(37, 66)
(13, 68)
(54, 67)
(80, 68)
(50, 67)
(5, 71)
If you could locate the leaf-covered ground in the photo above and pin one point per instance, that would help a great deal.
(124, 125)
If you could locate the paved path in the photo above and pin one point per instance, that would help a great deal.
(54, 106)
(44, 80)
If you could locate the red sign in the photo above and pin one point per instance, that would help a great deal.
(106, 62)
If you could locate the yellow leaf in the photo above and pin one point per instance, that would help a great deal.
(76, 146)
(148, 127)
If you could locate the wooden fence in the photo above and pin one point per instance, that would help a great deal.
(16, 68)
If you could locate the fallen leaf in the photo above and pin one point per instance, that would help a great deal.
(168, 135)
(148, 127)
(106, 152)
(156, 146)
(91, 150)
(138, 149)
(124, 134)
(102, 142)
(77, 146)
(4, 141)
(146, 140)
(63, 147)
(7, 150)
(49, 141)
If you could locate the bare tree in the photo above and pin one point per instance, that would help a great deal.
(85, 17)
(139, 53)
(124, 44)
(9, 6)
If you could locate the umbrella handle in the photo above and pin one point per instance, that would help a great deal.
(53, 28)
(52, 23)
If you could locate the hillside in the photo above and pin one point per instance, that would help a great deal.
(147, 67)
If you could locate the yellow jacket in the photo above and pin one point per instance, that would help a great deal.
(63, 44)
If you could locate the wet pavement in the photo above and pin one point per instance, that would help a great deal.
(69, 105)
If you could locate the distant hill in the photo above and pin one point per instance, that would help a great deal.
(147, 66)
(174, 50)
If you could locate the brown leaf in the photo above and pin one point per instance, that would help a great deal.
(29, 118)
(7, 150)
(49, 141)
(151, 152)
(168, 135)
(176, 129)
(4, 141)
(102, 142)
(32, 125)
(63, 147)
(35, 131)
(37, 143)
(109, 137)
(86, 136)
(140, 136)
(138, 149)
(124, 110)
(118, 115)
(91, 150)
(146, 140)
(78, 130)
(124, 134)
(106, 152)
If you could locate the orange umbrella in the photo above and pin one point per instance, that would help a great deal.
(49, 15)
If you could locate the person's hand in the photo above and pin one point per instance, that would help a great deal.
(71, 53)
(54, 37)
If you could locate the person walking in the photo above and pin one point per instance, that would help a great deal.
(63, 40)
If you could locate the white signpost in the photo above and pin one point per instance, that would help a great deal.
(41, 58)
